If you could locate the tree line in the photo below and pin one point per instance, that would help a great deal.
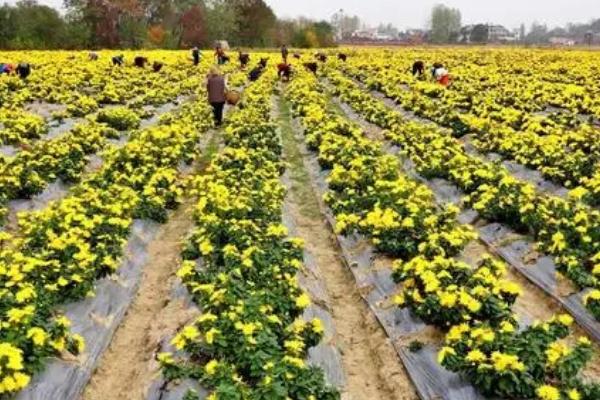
(171, 24)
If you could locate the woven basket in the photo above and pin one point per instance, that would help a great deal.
(232, 97)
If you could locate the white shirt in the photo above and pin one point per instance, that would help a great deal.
(440, 72)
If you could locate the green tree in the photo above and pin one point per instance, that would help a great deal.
(7, 25)
(537, 34)
(132, 31)
(221, 21)
(325, 33)
(255, 22)
(445, 24)
(32, 26)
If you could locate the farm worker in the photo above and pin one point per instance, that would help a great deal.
(284, 71)
(263, 62)
(157, 66)
(140, 61)
(440, 74)
(23, 70)
(342, 57)
(93, 56)
(284, 53)
(196, 55)
(255, 73)
(244, 59)
(7, 68)
(311, 66)
(118, 60)
(418, 68)
(216, 87)
(222, 58)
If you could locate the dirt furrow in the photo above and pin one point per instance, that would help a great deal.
(373, 369)
(534, 304)
(128, 367)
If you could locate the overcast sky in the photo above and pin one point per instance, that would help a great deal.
(414, 13)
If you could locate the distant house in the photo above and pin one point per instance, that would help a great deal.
(384, 37)
(365, 34)
(413, 36)
(562, 41)
(499, 34)
(496, 34)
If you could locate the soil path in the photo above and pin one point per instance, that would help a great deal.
(533, 303)
(128, 367)
(373, 369)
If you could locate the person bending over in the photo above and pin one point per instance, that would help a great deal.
(140, 61)
(440, 74)
(255, 73)
(118, 60)
(418, 68)
(311, 66)
(244, 59)
(284, 71)
(23, 70)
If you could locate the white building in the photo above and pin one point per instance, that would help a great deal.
(498, 33)
(562, 41)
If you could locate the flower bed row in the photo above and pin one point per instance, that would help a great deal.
(61, 251)
(18, 126)
(472, 303)
(565, 229)
(70, 78)
(30, 171)
(509, 83)
(562, 152)
(65, 158)
(35, 166)
(250, 341)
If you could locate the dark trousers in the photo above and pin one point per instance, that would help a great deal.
(218, 112)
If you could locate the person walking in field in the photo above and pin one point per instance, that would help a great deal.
(196, 55)
(284, 53)
(440, 74)
(216, 87)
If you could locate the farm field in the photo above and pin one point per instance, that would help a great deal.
(358, 233)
